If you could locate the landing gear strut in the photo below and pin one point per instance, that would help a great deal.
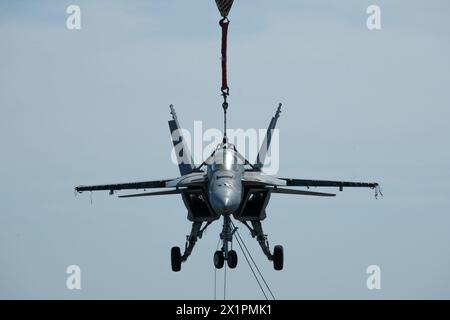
(175, 254)
(226, 254)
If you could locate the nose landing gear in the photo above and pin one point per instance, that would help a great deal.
(232, 259)
(225, 253)
(218, 259)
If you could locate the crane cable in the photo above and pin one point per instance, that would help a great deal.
(215, 275)
(251, 268)
(224, 279)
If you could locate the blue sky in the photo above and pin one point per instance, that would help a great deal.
(91, 106)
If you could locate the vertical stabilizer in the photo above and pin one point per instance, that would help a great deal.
(267, 140)
(185, 162)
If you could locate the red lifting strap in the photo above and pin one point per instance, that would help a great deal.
(224, 24)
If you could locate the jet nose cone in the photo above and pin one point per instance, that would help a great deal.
(225, 203)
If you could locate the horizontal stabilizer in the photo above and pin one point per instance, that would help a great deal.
(302, 192)
(147, 194)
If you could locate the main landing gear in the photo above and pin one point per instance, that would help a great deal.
(226, 253)
(278, 255)
(175, 255)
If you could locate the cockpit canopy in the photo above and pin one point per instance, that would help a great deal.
(225, 157)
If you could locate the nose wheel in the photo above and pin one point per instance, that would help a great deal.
(226, 254)
(232, 259)
(219, 259)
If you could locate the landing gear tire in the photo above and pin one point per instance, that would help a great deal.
(175, 257)
(278, 258)
(218, 259)
(232, 259)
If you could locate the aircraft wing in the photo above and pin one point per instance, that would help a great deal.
(124, 186)
(189, 180)
(328, 183)
(260, 179)
(302, 192)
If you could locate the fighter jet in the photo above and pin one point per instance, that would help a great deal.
(225, 185)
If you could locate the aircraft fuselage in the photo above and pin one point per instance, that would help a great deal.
(224, 180)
